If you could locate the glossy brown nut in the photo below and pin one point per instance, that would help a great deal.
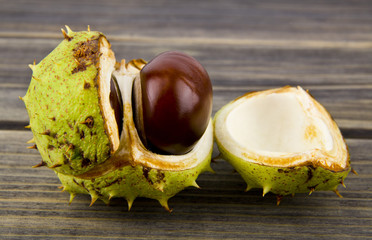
(176, 103)
(116, 103)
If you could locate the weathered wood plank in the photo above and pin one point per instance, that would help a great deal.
(324, 46)
(33, 205)
(336, 20)
(233, 66)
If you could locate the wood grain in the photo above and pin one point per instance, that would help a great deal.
(31, 202)
(323, 46)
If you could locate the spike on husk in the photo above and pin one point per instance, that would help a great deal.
(194, 184)
(338, 193)
(266, 189)
(56, 165)
(278, 199)
(46, 132)
(41, 164)
(208, 168)
(69, 31)
(32, 66)
(343, 183)
(110, 196)
(130, 202)
(32, 147)
(72, 196)
(66, 35)
(164, 203)
(247, 188)
(93, 200)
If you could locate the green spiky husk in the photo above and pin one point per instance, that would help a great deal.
(63, 105)
(306, 177)
(130, 182)
(285, 181)
(69, 130)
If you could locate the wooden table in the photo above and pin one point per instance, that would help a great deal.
(323, 46)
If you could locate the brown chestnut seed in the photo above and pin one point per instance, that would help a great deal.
(116, 103)
(172, 100)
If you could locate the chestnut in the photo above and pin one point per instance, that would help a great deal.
(116, 103)
(172, 98)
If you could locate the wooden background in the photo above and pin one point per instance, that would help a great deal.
(323, 46)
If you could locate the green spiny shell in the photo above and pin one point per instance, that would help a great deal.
(259, 169)
(285, 181)
(130, 182)
(63, 105)
(70, 133)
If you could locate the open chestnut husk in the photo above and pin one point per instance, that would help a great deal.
(86, 132)
(283, 141)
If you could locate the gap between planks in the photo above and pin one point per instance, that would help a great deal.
(266, 234)
(282, 43)
(213, 223)
(239, 88)
(194, 221)
(208, 195)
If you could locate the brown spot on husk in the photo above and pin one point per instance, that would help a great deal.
(85, 162)
(309, 174)
(86, 85)
(114, 182)
(65, 159)
(146, 174)
(160, 176)
(80, 184)
(89, 122)
(86, 54)
(312, 188)
(82, 135)
(47, 132)
(70, 147)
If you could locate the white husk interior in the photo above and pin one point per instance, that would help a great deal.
(107, 66)
(125, 76)
(281, 127)
(277, 123)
